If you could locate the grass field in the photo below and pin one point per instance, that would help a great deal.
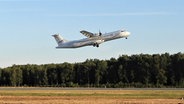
(91, 96)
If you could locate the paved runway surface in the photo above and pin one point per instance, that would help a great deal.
(61, 88)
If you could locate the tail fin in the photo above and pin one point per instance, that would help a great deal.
(58, 38)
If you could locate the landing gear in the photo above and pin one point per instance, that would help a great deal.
(95, 45)
(126, 38)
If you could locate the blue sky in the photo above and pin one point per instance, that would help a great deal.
(26, 27)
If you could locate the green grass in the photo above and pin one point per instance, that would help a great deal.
(140, 94)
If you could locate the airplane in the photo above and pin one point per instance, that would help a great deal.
(93, 39)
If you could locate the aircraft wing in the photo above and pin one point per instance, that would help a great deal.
(87, 34)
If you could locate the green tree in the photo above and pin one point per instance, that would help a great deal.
(64, 73)
(15, 75)
(100, 71)
(0, 77)
(81, 74)
(5, 77)
(161, 78)
(123, 69)
(52, 75)
(112, 71)
(178, 68)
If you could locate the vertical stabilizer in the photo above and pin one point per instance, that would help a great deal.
(58, 38)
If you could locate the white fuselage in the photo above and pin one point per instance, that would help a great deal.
(95, 40)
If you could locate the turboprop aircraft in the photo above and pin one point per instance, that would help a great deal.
(93, 39)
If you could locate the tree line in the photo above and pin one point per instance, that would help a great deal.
(143, 70)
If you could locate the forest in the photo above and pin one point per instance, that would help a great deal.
(140, 70)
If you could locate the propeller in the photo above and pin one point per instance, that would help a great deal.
(100, 34)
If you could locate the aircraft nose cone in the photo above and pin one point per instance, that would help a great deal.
(127, 33)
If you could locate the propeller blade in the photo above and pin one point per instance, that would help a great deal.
(100, 33)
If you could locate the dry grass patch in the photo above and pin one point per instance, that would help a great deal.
(91, 96)
(81, 100)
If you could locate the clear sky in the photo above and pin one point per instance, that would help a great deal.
(26, 26)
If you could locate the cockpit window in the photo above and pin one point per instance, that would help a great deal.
(122, 30)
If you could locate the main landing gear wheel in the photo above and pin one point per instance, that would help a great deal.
(95, 45)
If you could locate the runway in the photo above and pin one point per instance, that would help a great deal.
(82, 88)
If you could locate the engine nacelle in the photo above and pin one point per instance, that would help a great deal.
(99, 41)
